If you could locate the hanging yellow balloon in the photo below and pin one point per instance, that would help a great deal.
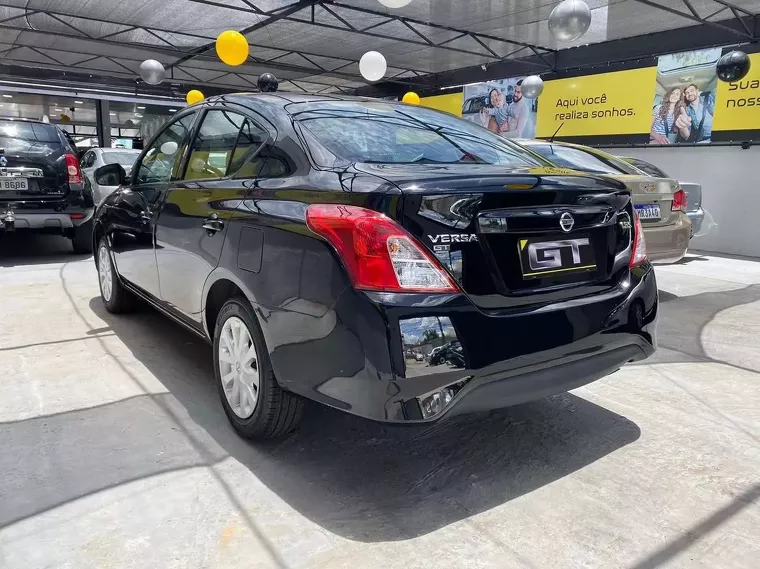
(194, 96)
(411, 98)
(232, 47)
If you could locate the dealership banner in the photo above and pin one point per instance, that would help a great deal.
(739, 102)
(678, 101)
(500, 107)
(451, 103)
(604, 104)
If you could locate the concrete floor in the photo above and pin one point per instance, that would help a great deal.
(115, 452)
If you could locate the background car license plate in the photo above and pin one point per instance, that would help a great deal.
(555, 257)
(14, 184)
(648, 211)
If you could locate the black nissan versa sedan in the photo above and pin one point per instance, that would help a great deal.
(41, 185)
(321, 243)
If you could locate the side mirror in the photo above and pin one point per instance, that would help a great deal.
(110, 175)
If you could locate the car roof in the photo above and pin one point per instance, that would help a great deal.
(281, 99)
(37, 121)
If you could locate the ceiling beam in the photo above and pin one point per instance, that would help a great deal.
(579, 60)
(298, 6)
(175, 50)
(693, 18)
(434, 25)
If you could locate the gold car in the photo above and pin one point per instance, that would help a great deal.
(659, 202)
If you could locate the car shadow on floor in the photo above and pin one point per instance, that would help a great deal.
(22, 248)
(373, 482)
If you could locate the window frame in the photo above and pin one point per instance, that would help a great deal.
(138, 163)
(248, 156)
(89, 154)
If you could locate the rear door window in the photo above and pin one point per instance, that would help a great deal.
(214, 145)
(163, 157)
(224, 145)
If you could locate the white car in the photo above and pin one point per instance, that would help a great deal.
(97, 157)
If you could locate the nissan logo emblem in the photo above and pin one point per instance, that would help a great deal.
(566, 222)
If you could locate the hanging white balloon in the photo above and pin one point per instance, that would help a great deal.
(152, 72)
(532, 87)
(394, 3)
(373, 66)
(569, 20)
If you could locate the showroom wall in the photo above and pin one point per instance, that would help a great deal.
(730, 191)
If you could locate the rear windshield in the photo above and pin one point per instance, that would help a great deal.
(26, 138)
(650, 169)
(579, 159)
(123, 157)
(385, 133)
(30, 131)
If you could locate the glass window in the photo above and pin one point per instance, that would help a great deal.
(38, 132)
(579, 159)
(401, 134)
(252, 136)
(123, 157)
(163, 157)
(214, 145)
(650, 169)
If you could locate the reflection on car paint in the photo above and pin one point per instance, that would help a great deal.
(430, 345)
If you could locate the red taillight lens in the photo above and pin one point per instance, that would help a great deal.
(377, 252)
(679, 201)
(73, 170)
(639, 253)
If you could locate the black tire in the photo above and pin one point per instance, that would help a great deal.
(120, 300)
(82, 239)
(276, 412)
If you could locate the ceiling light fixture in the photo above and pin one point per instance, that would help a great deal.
(8, 96)
(79, 102)
(141, 108)
(172, 110)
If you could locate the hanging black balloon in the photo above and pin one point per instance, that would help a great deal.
(732, 66)
(268, 83)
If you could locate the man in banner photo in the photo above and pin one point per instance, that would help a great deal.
(500, 107)
(684, 102)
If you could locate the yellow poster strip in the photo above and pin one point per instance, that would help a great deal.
(451, 103)
(607, 103)
(737, 105)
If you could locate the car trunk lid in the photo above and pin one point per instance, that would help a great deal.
(652, 196)
(483, 223)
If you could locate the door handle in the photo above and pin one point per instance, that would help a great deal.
(212, 224)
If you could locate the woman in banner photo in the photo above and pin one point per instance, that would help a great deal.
(666, 114)
(692, 73)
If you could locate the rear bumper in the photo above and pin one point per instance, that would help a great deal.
(668, 244)
(47, 216)
(364, 360)
(696, 218)
(48, 222)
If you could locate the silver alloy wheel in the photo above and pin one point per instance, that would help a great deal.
(105, 273)
(239, 367)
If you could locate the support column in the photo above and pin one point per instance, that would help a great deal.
(103, 110)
